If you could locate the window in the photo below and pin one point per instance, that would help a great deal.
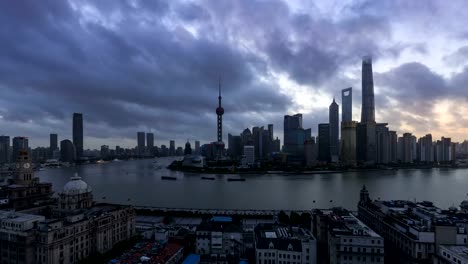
(373, 241)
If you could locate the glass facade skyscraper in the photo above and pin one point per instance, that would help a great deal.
(78, 134)
(368, 107)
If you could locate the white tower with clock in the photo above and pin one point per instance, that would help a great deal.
(24, 173)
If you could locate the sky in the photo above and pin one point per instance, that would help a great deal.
(154, 66)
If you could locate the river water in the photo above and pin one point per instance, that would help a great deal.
(138, 182)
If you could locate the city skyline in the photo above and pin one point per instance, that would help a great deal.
(98, 65)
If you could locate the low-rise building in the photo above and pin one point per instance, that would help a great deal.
(219, 238)
(351, 241)
(78, 229)
(284, 245)
(413, 230)
(18, 237)
(450, 254)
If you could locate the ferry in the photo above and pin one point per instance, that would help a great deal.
(168, 178)
(208, 178)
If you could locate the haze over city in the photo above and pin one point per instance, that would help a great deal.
(154, 66)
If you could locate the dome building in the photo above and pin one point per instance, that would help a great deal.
(75, 197)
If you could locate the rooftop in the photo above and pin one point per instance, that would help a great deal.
(19, 217)
(281, 237)
(351, 226)
(460, 251)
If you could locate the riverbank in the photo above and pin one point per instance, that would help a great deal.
(177, 166)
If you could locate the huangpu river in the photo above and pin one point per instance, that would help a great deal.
(139, 182)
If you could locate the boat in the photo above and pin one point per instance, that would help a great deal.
(208, 178)
(236, 179)
(168, 178)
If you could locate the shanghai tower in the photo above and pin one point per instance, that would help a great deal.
(368, 107)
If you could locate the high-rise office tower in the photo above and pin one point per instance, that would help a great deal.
(141, 143)
(234, 146)
(67, 151)
(382, 138)
(188, 149)
(366, 143)
(53, 145)
(257, 134)
(324, 142)
(78, 134)
(4, 149)
(407, 152)
(393, 139)
(348, 142)
(172, 149)
(446, 149)
(197, 147)
(19, 143)
(368, 108)
(294, 135)
(347, 105)
(429, 150)
(270, 131)
(310, 152)
(150, 141)
(333, 119)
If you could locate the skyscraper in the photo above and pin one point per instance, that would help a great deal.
(19, 143)
(368, 108)
(67, 151)
(347, 105)
(150, 141)
(257, 134)
(4, 149)
(366, 142)
(348, 142)
(197, 147)
(234, 146)
(78, 134)
(188, 149)
(270, 131)
(140, 143)
(393, 141)
(172, 149)
(294, 135)
(382, 143)
(53, 145)
(324, 142)
(333, 119)
(429, 150)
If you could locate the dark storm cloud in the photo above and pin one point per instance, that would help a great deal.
(155, 65)
(132, 77)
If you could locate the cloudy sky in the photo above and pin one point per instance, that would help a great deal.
(154, 65)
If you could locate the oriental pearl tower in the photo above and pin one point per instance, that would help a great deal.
(219, 113)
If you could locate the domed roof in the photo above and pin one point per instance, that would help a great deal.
(76, 186)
